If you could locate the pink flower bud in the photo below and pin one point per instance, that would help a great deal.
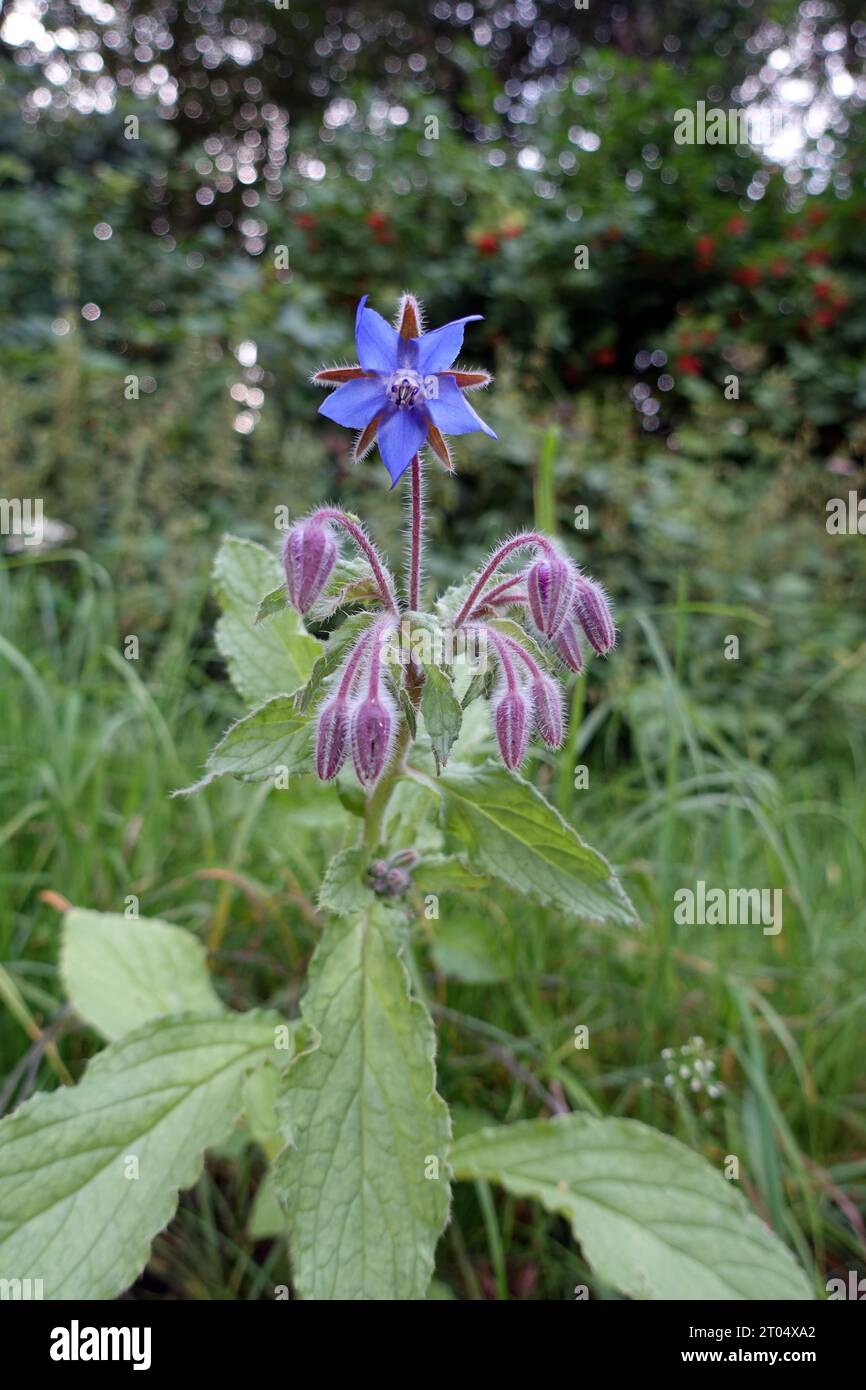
(511, 720)
(592, 611)
(371, 729)
(547, 708)
(332, 733)
(567, 644)
(309, 555)
(550, 587)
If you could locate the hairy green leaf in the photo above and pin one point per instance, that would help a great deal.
(90, 1174)
(654, 1220)
(351, 581)
(272, 741)
(447, 873)
(271, 604)
(331, 655)
(345, 889)
(512, 832)
(266, 657)
(365, 1176)
(441, 711)
(120, 972)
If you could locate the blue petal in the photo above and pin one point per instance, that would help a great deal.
(401, 435)
(437, 350)
(355, 402)
(451, 412)
(377, 341)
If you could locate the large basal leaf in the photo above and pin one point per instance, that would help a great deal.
(271, 657)
(90, 1174)
(274, 741)
(119, 972)
(365, 1176)
(654, 1220)
(511, 832)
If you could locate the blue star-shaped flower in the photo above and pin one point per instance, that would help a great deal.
(405, 392)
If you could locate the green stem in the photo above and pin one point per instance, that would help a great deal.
(377, 801)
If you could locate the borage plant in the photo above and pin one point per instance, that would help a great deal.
(343, 1100)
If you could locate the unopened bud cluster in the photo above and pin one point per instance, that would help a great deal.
(390, 878)
(556, 606)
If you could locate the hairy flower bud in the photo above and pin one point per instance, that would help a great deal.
(405, 858)
(592, 611)
(547, 708)
(567, 644)
(309, 555)
(511, 721)
(371, 728)
(397, 881)
(332, 736)
(550, 588)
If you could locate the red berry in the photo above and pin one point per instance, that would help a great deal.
(748, 275)
(688, 364)
(487, 243)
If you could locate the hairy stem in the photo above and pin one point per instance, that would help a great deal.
(521, 542)
(417, 535)
(384, 581)
(377, 801)
(502, 644)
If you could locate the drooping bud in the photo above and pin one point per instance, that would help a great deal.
(332, 737)
(567, 644)
(511, 721)
(405, 858)
(371, 727)
(547, 708)
(550, 588)
(592, 611)
(309, 555)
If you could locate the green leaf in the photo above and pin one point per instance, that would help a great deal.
(267, 1220)
(264, 658)
(653, 1218)
(120, 972)
(480, 685)
(351, 581)
(447, 873)
(271, 604)
(72, 1213)
(512, 832)
(273, 737)
(365, 1125)
(344, 888)
(442, 712)
(331, 655)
